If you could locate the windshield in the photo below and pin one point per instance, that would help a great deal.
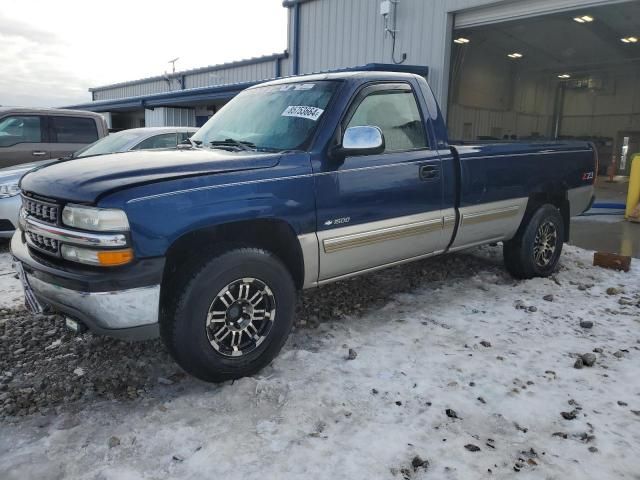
(112, 143)
(271, 118)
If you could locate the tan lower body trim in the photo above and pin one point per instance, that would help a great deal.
(489, 215)
(391, 233)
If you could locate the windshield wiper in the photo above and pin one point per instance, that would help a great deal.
(232, 143)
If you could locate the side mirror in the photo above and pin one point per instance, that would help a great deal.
(366, 140)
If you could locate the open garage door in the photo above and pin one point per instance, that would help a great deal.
(509, 11)
(567, 75)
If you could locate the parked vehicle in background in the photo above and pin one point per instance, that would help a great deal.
(127, 140)
(293, 184)
(147, 138)
(31, 134)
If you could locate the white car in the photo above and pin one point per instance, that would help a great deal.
(134, 139)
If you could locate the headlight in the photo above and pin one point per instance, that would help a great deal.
(95, 219)
(9, 189)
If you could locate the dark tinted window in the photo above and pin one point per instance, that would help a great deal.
(20, 129)
(72, 130)
(397, 115)
(182, 136)
(167, 140)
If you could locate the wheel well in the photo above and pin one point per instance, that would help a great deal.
(558, 198)
(191, 249)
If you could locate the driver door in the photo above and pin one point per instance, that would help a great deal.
(375, 210)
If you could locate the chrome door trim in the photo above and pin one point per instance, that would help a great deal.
(356, 240)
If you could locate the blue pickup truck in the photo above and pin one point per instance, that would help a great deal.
(293, 184)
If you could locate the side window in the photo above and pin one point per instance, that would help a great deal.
(166, 140)
(72, 130)
(396, 114)
(182, 136)
(20, 129)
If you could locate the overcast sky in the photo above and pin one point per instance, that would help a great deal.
(52, 51)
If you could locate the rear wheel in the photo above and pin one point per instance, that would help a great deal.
(536, 248)
(232, 317)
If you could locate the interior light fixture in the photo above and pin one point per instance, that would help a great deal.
(515, 55)
(583, 19)
(564, 76)
(629, 40)
(461, 40)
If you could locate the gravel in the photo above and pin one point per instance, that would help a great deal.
(589, 359)
(46, 369)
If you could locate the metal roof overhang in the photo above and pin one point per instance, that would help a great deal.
(178, 98)
(167, 99)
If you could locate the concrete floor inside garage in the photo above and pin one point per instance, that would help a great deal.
(606, 229)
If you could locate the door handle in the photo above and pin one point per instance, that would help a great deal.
(429, 172)
(38, 153)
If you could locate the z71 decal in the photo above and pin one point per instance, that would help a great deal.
(587, 176)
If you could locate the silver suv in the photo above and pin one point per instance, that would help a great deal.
(31, 134)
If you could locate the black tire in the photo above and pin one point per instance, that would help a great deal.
(184, 325)
(522, 254)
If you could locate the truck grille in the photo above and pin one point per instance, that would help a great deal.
(45, 244)
(43, 211)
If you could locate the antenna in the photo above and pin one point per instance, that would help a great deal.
(173, 63)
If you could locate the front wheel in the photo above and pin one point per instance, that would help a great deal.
(232, 316)
(536, 248)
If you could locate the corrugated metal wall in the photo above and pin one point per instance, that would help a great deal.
(135, 90)
(344, 33)
(170, 117)
(245, 73)
(200, 78)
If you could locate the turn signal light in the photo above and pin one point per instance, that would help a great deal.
(112, 258)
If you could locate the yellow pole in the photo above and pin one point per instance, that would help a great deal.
(633, 195)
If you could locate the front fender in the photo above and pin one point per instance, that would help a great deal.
(160, 214)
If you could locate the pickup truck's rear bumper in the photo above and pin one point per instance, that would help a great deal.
(122, 303)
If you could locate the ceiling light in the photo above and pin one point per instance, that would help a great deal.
(515, 55)
(583, 19)
(564, 76)
(629, 40)
(461, 40)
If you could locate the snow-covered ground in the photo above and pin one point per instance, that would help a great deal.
(476, 359)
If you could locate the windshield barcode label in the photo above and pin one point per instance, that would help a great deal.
(311, 113)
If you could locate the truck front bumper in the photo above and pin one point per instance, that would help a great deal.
(122, 303)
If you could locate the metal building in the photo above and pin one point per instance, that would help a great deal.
(500, 68)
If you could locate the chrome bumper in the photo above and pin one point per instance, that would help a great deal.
(125, 305)
(102, 311)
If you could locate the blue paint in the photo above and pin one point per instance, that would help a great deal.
(619, 206)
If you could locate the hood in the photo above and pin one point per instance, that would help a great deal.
(84, 180)
(18, 171)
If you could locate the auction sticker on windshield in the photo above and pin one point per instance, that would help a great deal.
(311, 113)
